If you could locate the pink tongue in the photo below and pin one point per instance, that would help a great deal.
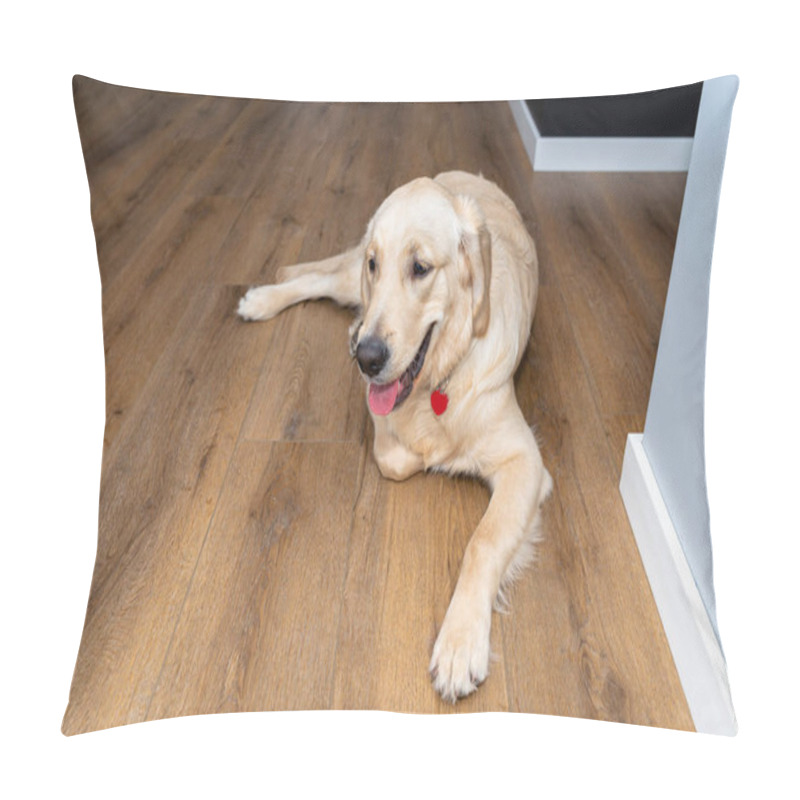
(381, 398)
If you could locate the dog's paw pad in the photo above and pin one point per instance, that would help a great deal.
(256, 305)
(460, 660)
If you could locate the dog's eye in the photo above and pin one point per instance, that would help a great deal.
(420, 269)
(371, 265)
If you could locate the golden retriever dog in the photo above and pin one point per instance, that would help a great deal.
(445, 282)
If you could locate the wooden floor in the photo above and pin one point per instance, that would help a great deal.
(250, 556)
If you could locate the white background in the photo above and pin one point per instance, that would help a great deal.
(53, 386)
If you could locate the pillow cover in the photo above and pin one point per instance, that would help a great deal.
(250, 555)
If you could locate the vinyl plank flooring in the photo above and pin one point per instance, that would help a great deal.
(618, 653)
(134, 196)
(116, 124)
(216, 149)
(302, 396)
(351, 187)
(311, 199)
(617, 427)
(244, 151)
(599, 280)
(158, 493)
(258, 628)
(405, 552)
(643, 212)
(298, 155)
(266, 235)
(147, 303)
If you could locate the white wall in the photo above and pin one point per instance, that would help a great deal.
(674, 433)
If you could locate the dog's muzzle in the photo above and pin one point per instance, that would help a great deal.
(372, 355)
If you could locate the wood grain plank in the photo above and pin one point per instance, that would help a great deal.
(215, 147)
(158, 492)
(274, 223)
(114, 121)
(355, 179)
(258, 628)
(645, 211)
(134, 196)
(294, 399)
(620, 664)
(598, 274)
(313, 197)
(264, 237)
(309, 388)
(617, 428)
(406, 547)
(317, 197)
(244, 151)
(147, 304)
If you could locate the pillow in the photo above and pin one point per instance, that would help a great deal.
(250, 555)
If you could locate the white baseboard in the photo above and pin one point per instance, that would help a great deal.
(528, 131)
(599, 154)
(695, 648)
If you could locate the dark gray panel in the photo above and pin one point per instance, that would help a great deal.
(665, 112)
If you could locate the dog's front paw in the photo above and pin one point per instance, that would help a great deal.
(460, 660)
(258, 304)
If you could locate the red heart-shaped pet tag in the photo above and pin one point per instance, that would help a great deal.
(439, 402)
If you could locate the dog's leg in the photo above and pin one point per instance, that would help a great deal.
(337, 278)
(460, 659)
(526, 552)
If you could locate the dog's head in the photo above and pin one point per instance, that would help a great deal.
(424, 290)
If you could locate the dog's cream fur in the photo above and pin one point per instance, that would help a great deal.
(478, 292)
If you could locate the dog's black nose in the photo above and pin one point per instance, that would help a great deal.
(372, 355)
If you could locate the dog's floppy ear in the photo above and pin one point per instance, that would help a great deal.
(476, 254)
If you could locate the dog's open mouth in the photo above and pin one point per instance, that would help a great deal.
(385, 397)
